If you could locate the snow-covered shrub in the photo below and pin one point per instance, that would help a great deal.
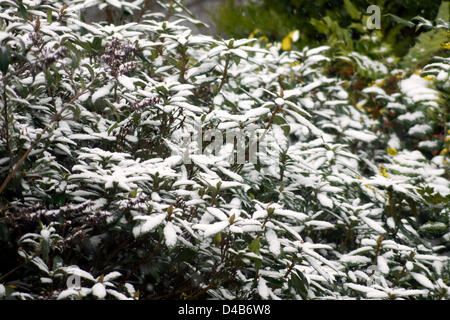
(109, 185)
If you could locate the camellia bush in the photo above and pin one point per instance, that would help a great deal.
(114, 188)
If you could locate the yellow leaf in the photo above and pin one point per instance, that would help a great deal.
(392, 151)
(286, 44)
(218, 238)
(430, 78)
(383, 172)
(446, 45)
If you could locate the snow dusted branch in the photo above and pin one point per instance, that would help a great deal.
(55, 118)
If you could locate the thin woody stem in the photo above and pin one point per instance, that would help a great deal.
(143, 9)
(225, 73)
(34, 144)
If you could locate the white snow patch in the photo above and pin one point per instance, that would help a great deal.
(263, 289)
(170, 235)
(382, 265)
(150, 223)
(103, 91)
(424, 281)
(99, 290)
(417, 89)
(211, 229)
(274, 242)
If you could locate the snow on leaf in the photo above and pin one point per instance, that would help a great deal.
(231, 174)
(373, 224)
(40, 264)
(355, 259)
(256, 112)
(377, 294)
(170, 235)
(217, 213)
(126, 82)
(417, 88)
(103, 91)
(99, 291)
(320, 225)
(274, 242)
(114, 3)
(289, 229)
(288, 213)
(382, 265)
(359, 135)
(117, 295)
(324, 200)
(420, 130)
(263, 289)
(111, 276)
(366, 290)
(74, 270)
(211, 229)
(68, 293)
(423, 280)
(150, 223)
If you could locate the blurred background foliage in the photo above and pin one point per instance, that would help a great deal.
(412, 34)
(339, 23)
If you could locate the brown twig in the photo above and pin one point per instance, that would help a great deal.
(34, 144)
(5, 108)
(143, 9)
(20, 266)
(290, 268)
(225, 73)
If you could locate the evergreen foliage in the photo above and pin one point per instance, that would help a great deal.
(351, 202)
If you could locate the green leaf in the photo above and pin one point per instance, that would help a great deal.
(5, 59)
(254, 246)
(143, 58)
(4, 233)
(426, 45)
(279, 120)
(57, 263)
(444, 11)
(354, 13)
(58, 199)
(133, 193)
(434, 227)
(91, 71)
(49, 16)
(84, 44)
(401, 21)
(23, 11)
(185, 255)
(115, 125)
(299, 283)
(319, 25)
(97, 44)
(258, 264)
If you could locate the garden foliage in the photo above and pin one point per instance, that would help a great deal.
(96, 121)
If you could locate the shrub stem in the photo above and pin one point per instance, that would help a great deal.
(55, 118)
